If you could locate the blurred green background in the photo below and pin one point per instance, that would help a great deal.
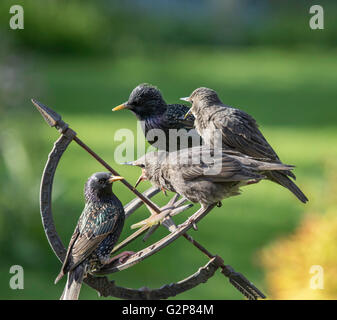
(82, 58)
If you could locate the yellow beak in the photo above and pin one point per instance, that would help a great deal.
(115, 178)
(120, 107)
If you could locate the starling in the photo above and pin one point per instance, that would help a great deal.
(203, 174)
(95, 235)
(226, 127)
(147, 103)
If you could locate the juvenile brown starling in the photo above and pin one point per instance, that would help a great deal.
(227, 127)
(147, 103)
(95, 235)
(203, 174)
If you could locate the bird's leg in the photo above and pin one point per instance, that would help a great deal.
(164, 191)
(137, 202)
(191, 219)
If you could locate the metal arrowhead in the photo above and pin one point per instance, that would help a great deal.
(50, 116)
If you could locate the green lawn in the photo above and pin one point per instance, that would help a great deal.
(292, 95)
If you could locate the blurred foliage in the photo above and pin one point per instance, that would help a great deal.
(288, 261)
(58, 26)
(87, 27)
(83, 57)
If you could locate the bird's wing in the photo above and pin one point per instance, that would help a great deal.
(219, 169)
(92, 230)
(240, 131)
(66, 259)
(175, 114)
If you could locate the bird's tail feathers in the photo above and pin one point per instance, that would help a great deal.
(259, 165)
(274, 166)
(74, 283)
(282, 179)
(271, 166)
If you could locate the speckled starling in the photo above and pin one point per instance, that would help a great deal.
(95, 235)
(204, 174)
(228, 127)
(147, 103)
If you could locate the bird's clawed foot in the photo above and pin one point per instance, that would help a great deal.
(191, 220)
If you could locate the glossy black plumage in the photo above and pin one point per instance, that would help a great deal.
(228, 127)
(97, 231)
(147, 103)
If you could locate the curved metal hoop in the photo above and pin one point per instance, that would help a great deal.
(102, 284)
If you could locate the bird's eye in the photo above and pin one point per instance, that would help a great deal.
(135, 102)
(142, 165)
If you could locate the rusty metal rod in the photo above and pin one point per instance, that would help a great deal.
(127, 184)
(198, 245)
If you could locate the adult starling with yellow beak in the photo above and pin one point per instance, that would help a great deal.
(97, 231)
(147, 103)
(203, 174)
(223, 126)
